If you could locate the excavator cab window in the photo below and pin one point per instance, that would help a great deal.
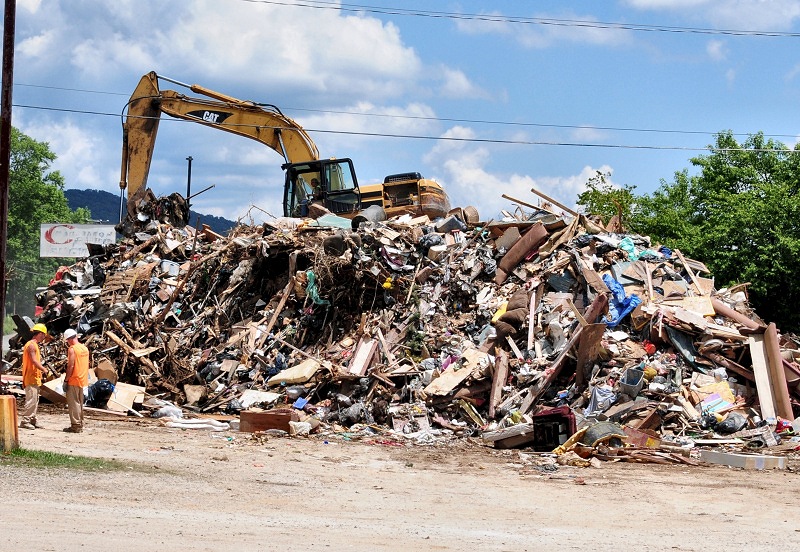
(341, 187)
(303, 185)
(336, 187)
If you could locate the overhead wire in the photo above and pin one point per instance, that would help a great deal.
(441, 138)
(322, 4)
(492, 18)
(417, 117)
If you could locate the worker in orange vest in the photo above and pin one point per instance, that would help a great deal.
(75, 379)
(32, 369)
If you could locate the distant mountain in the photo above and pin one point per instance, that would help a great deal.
(104, 207)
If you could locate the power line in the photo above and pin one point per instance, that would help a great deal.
(421, 117)
(435, 119)
(524, 124)
(69, 89)
(357, 8)
(448, 138)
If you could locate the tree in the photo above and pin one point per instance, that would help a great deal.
(36, 196)
(740, 216)
(604, 199)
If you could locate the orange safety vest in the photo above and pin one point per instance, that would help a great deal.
(31, 375)
(80, 372)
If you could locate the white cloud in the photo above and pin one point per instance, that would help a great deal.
(774, 15)
(456, 84)
(413, 119)
(717, 50)
(31, 6)
(75, 147)
(36, 46)
(544, 35)
(465, 174)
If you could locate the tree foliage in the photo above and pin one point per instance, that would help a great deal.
(36, 196)
(603, 199)
(740, 215)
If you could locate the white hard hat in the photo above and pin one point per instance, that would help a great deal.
(70, 333)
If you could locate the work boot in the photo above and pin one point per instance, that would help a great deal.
(27, 425)
(72, 429)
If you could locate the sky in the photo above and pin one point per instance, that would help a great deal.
(489, 98)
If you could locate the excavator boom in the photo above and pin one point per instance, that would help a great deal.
(261, 122)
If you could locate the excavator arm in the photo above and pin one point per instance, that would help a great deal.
(262, 122)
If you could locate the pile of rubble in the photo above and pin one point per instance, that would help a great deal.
(538, 330)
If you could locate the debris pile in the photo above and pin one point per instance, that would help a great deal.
(538, 330)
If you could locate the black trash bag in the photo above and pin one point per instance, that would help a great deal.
(733, 423)
(234, 407)
(99, 393)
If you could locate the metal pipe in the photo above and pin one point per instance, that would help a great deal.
(189, 183)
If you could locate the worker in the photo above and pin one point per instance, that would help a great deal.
(315, 189)
(75, 379)
(32, 369)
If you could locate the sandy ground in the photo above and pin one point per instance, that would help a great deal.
(202, 490)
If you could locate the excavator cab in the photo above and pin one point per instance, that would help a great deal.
(330, 182)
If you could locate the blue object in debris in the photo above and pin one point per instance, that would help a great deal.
(300, 403)
(619, 306)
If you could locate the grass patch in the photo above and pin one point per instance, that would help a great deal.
(41, 459)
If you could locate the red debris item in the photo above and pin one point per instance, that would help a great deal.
(649, 348)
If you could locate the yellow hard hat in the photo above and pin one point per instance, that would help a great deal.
(39, 328)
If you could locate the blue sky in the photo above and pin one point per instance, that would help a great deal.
(487, 89)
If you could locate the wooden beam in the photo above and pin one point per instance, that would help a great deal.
(780, 391)
(763, 383)
(498, 380)
(554, 202)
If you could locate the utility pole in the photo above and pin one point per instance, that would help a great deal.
(9, 31)
(189, 183)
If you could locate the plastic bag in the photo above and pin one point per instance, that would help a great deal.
(99, 393)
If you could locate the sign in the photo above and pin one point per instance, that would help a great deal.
(69, 240)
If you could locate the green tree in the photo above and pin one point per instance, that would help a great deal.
(605, 199)
(36, 196)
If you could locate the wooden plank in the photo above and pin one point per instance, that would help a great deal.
(498, 381)
(451, 378)
(150, 368)
(780, 391)
(517, 353)
(554, 202)
(386, 351)
(689, 270)
(588, 350)
(363, 356)
(532, 306)
(761, 371)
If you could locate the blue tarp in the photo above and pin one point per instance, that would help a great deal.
(619, 306)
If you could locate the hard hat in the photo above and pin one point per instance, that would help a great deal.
(70, 333)
(39, 328)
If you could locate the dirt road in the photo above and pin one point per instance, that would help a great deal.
(201, 490)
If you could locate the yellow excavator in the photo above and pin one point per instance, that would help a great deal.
(331, 183)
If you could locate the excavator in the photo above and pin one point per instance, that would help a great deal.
(330, 183)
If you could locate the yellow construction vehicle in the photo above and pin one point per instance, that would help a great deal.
(331, 183)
